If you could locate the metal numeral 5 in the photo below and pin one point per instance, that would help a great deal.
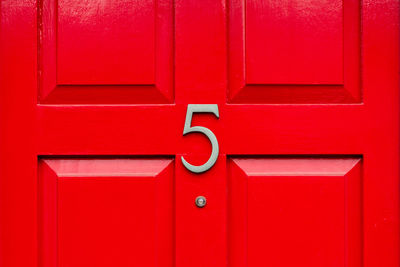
(201, 108)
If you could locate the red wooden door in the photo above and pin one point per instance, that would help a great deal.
(93, 104)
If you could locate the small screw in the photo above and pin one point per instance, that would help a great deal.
(200, 201)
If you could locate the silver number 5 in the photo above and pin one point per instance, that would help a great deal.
(208, 108)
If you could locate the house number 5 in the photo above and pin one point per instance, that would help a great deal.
(197, 108)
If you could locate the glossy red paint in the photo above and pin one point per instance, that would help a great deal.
(85, 202)
(92, 108)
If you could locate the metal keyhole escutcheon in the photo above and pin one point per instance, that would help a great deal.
(200, 201)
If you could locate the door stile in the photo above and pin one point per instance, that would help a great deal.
(18, 160)
(200, 78)
(380, 80)
(201, 232)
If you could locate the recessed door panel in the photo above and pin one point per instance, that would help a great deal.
(106, 52)
(295, 212)
(294, 51)
(295, 42)
(123, 40)
(106, 212)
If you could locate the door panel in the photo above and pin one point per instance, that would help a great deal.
(295, 212)
(97, 52)
(297, 42)
(124, 37)
(106, 212)
(294, 51)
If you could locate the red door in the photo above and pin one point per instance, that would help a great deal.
(108, 110)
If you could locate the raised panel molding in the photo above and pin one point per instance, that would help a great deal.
(96, 212)
(295, 211)
(294, 52)
(105, 52)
